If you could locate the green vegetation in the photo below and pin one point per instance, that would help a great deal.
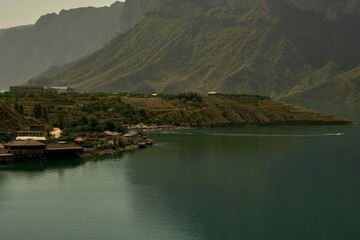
(87, 114)
(225, 46)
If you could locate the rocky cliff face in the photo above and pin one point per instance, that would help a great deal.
(269, 47)
(55, 39)
(58, 39)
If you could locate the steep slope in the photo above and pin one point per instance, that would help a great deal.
(10, 120)
(344, 87)
(267, 47)
(134, 12)
(55, 40)
(59, 39)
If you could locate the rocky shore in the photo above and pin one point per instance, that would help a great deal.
(95, 152)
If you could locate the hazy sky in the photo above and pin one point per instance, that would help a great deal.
(22, 12)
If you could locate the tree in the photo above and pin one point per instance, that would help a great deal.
(37, 111)
(45, 114)
(61, 121)
(93, 122)
(21, 109)
(16, 107)
(110, 125)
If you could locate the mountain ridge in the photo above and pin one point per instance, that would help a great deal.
(270, 47)
(57, 39)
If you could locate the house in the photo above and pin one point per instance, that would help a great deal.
(65, 89)
(131, 135)
(112, 134)
(79, 141)
(26, 149)
(212, 93)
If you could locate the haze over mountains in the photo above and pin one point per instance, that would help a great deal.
(287, 49)
(281, 48)
(57, 39)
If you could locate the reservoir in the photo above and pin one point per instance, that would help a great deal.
(226, 183)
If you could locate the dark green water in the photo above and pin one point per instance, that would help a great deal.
(236, 183)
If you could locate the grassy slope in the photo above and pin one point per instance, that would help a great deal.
(196, 50)
(10, 120)
(224, 111)
(279, 53)
(344, 87)
(211, 111)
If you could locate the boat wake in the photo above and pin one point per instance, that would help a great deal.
(276, 135)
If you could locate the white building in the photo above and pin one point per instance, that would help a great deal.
(65, 89)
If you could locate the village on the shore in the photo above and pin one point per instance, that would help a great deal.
(38, 143)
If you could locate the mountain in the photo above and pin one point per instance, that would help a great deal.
(278, 48)
(58, 39)
(12, 28)
(134, 12)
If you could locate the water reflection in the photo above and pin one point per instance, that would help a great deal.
(235, 183)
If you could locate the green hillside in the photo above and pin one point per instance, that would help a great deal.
(99, 112)
(267, 47)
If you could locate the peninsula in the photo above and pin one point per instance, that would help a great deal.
(100, 123)
(79, 112)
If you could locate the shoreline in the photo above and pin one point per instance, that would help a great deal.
(105, 152)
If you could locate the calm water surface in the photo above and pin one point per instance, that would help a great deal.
(235, 183)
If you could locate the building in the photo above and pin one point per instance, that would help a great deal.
(38, 132)
(26, 149)
(61, 151)
(49, 90)
(212, 93)
(131, 135)
(65, 89)
(79, 141)
(31, 88)
(26, 88)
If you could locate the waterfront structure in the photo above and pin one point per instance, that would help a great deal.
(63, 151)
(26, 149)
